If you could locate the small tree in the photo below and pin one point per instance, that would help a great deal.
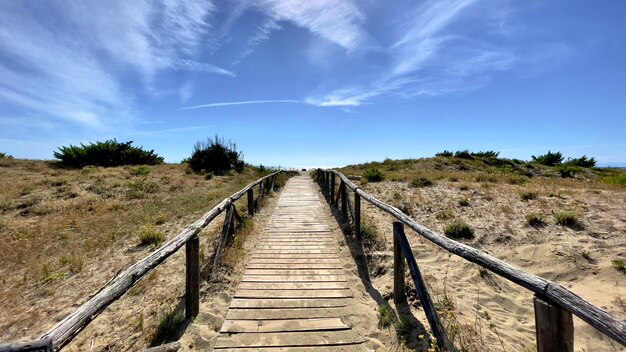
(5, 156)
(549, 159)
(583, 161)
(217, 156)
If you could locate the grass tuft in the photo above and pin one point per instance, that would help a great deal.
(386, 316)
(534, 220)
(458, 230)
(528, 195)
(619, 265)
(150, 235)
(567, 218)
(421, 182)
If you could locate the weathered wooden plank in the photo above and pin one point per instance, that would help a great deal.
(287, 313)
(295, 266)
(356, 347)
(299, 294)
(295, 261)
(192, 277)
(292, 278)
(260, 303)
(554, 327)
(291, 272)
(283, 325)
(295, 251)
(292, 285)
(288, 339)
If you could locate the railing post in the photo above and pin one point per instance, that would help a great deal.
(332, 188)
(357, 214)
(260, 200)
(554, 327)
(399, 289)
(344, 200)
(251, 202)
(273, 183)
(192, 280)
(443, 342)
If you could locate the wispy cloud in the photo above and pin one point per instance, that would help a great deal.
(338, 21)
(73, 66)
(244, 102)
(262, 34)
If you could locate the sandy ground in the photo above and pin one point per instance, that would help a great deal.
(488, 312)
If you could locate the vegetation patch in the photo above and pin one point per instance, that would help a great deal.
(458, 230)
(421, 181)
(5, 156)
(549, 159)
(386, 316)
(150, 235)
(368, 231)
(107, 154)
(568, 219)
(534, 220)
(528, 195)
(616, 180)
(464, 202)
(168, 325)
(217, 156)
(619, 265)
(373, 174)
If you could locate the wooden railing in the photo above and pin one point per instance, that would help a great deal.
(553, 303)
(65, 330)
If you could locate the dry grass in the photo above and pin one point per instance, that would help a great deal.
(64, 233)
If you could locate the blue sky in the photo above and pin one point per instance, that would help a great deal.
(317, 83)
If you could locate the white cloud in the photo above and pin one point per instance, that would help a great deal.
(70, 65)
(338, 21)
(244, 102)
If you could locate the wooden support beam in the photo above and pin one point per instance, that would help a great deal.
(554, 327)
(399, 289)
(273, 183)
(260, 200)
(251, 202)
(443, 342)
(332, 189)
(224, 237)
(357, 215)
(344, 200)
(192, 282)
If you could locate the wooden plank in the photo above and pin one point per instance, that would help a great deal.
(295, 251)
(295, 266)
(295, 261)
(288, 339)
(299, 294)
(292, 278)
(283, 325)
(339, 348)
(292, 285)
(289, 272)
(192, 277)
(259, 303)
(287, 313)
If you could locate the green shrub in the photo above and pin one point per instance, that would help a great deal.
(517, 180)
(567, 218)
(5, 156)
(583, 161)
(534, 220)
(445, 153)
(168, 324)
(486, 154)
(463, 154)
(108, 153)
(568, 171)
(464, 187)
(619, 264)
(549, 159)
(217, 156)
(150, 235)
(140, 171)
(464, 202)
(368, 231)
(458, 229)
(386, 316)
(528, 195)
(421, 182)
(616, 180)
(373, 174)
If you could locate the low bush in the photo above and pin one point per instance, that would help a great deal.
(583, 161)
(549, 159)
(619, 264)
(368, 231)
(150, 235)
(445, 153)
(528, 195)
(373, 174)
(567, 218)
(5, 156)
(486, 154)
(568, 171)
(463, 154)
(534, 220)
(217, 156)
(616, 180)
(458, 230)
(107, 154)
(140, 171)
(464, 202)
(421, 182)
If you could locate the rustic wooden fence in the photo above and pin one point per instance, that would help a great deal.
(553, 303)
(65, 330)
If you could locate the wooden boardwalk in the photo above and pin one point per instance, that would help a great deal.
(294, 292)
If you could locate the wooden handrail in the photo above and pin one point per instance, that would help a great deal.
(544, 289)
(65, 330)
